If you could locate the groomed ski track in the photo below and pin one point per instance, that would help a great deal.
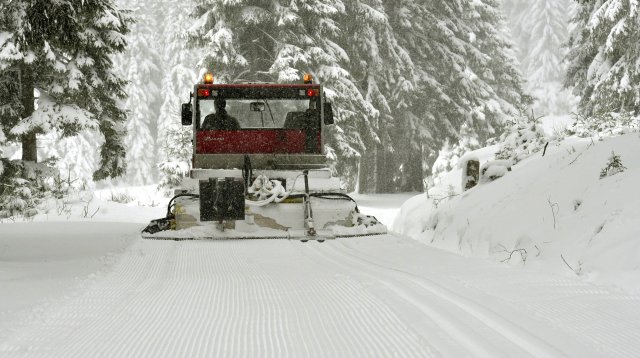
(383, 296)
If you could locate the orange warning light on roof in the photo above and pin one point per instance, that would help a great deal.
(208, 78)
(307, 78)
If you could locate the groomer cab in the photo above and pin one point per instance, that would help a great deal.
(281, 126)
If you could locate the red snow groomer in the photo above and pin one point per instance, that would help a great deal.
(259, 168)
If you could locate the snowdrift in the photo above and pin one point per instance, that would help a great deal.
(552, 212)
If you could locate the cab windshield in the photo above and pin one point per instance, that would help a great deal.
(255, 113)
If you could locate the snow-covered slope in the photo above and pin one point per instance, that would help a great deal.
(551, 212)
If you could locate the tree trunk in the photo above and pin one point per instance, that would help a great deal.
(386, 170)
(367, 171)
(414, 174)
(29, 140)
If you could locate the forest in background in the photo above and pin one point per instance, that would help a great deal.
(407, 77)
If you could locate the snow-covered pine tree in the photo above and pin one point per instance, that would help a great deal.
(331, 63)
(10, 106)
(603, 57)
(539, 30)
(421, 107)
(521, 139)
(64, 50)
(141, 66)
(76, 157)
(498, 86)
(613, 166)
(466, 82)
(383, 70)
(174, 140)
(236, 36)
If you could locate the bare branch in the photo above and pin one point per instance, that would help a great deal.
(573, 161)
(523, 253)
(554, 210)
(436, 201)
(577, 272)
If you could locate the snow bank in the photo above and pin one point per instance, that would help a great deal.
(553, 213)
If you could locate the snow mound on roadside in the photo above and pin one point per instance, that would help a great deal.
(553, 213)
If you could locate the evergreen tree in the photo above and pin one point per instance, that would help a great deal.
(64, 50)
(603, 57)
(383, 70)
(540, 30)
(174, 140)
(613, 166)
(141, 65)
(419, 107)
(497, 89)
(466, 84)
(75, 157)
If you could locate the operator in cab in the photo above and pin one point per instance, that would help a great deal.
(220, 120)
(303, 120)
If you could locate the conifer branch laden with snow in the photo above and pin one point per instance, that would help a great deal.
(173, 141)
(605, 124)
(603, 58)
(57, 76)
(23, 187)
(63, 50)
(613, 166)
(539, 31)
(523, 138)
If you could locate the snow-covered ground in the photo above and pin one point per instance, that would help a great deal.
(554, 212)
(76, 286)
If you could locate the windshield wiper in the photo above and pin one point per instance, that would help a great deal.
(270, 113)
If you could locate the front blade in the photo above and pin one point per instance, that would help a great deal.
(303, 235)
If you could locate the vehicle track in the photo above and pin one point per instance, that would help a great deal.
(481, 332)
(366, 297)
(580, 318)
(218, 299)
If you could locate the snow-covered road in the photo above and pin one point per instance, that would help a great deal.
(384, 296)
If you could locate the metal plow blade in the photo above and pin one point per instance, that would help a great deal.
(212, 238)
(298, 235)
(213, 233)
(210, 232)
(163, 229)
(318, 235)
(187, 235)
